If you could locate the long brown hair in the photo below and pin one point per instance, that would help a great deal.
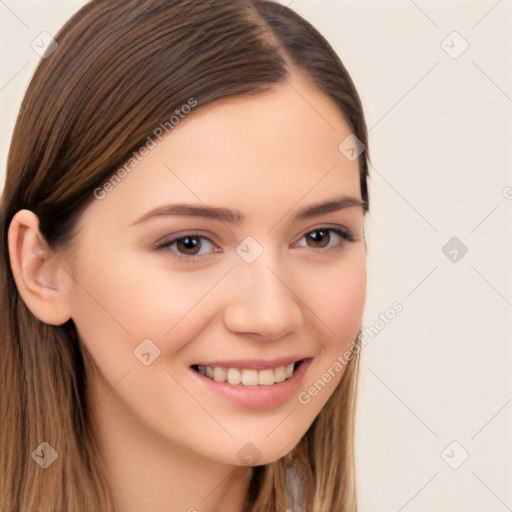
(122, 68)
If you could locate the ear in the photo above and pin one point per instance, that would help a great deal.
(43, 283)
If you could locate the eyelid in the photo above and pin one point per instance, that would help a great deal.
(165, 242)
(342, 232)
(168, 239)
(337, 228)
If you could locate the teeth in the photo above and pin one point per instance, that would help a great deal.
(219, 374)
(234, 376)
(266, 377)
(280, 374)
(248, 377)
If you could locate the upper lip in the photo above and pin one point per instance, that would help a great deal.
(256, 364)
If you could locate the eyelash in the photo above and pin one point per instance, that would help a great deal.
(342, 233)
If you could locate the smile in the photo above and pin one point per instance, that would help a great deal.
(248, 376)
(251, 383)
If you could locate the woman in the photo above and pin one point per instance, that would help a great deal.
(183, 265)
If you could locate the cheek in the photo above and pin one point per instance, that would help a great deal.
(339, 299)
(339, 304)
(128, 298)
(125, 300)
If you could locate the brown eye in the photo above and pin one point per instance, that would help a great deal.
(188, 245)
(326, 238)
(319, 237)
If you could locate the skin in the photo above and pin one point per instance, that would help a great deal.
(169, 442)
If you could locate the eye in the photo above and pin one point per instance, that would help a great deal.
(189, 246)
(322, 238)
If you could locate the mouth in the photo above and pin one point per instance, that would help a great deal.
(238, 375)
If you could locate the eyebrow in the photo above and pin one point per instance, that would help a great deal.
(237, 217)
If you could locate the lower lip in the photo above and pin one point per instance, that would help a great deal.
(258, 397)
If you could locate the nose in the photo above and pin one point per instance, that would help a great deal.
(263, 301)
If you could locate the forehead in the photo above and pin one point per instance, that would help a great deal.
(248, 152)
(293, 121)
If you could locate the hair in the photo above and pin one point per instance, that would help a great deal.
(121, 69)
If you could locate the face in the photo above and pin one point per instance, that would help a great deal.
(160, 297)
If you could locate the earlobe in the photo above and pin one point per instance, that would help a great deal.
(40, 277)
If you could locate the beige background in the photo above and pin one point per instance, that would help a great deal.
(440, 142)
